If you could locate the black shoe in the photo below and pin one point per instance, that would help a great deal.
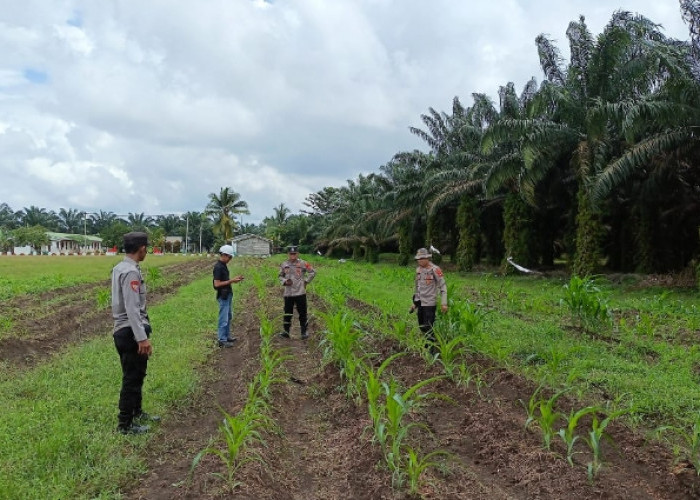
(145, 417)
(225, 343)
(284, 335)
(132, 429)
(304, 335)
(232, 339)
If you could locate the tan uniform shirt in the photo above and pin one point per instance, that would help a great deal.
(129, 298)
(429, 282)
(300, 272)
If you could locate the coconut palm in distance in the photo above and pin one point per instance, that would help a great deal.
(223, 209)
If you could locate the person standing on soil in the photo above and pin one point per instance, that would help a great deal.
(224, 295)
(132, 331)
(294, 275)
(429, 282)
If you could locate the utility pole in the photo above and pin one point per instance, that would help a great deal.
(187, 234)
(200, 236)
(85, 231)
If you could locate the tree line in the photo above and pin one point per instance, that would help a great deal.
(598, 165)
(202, 231)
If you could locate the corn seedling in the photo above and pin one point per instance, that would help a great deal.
(416, 465)
(542, 412)
(394, 430)
(104, 297)
(341, 344)
(448, 353)
(586, 303)
(239, 432)
(373, 389)
(595, 438)
(153, 276)
(690, 447)
(568, 433)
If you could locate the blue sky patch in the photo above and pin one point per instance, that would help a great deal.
(76, 20)
(35, 75)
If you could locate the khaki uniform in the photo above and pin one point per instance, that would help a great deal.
(300, 272)
(129, 299)
(429, 282)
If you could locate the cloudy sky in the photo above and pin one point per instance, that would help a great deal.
(149, 106)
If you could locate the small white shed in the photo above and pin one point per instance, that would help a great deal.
(251, 245)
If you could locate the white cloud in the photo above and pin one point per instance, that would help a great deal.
(151, 106)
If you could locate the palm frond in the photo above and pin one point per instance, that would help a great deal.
(637, 158)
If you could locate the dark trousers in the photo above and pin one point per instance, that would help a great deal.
(426, 320)
(133, 372)
(289, 302)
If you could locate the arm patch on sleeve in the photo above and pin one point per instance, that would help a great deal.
(135, 285)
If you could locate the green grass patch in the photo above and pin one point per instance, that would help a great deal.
(20, 275)
(57, 428)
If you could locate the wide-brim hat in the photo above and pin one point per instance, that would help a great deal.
(422, 253)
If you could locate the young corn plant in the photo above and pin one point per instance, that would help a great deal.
(595, 439)
(543, 413)
(394, 429)
(586, 303)
(103, 299)
(568, 433)
(239, 433)
(373, 391)
(448, 353)
(244, 430)
(153, 277)
(466, 317)
(416, 465)
(689, 448)
(340, 346)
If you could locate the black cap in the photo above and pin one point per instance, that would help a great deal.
(292, 249)
(135, 239)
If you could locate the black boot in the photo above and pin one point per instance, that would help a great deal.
(132, 428)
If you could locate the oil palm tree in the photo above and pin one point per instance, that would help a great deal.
(71, 220)
(139, 221)
(566, 128)
(36, 216)
(8, 219)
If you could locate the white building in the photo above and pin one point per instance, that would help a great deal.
(251, 245)
(65, 244)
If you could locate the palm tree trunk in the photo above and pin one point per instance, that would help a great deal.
(404, 244)
(469, 234)
(518, 233)
(588, 235)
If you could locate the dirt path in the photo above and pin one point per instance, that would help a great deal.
(47, 322)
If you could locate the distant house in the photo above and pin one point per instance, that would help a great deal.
(251, 245)
(64, 244)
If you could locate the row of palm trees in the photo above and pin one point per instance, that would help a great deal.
(598, 164)
(202, 230)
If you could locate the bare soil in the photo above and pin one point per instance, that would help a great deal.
(322, 449)
(45, 323)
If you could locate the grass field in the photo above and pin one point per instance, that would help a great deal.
(20, 274)
(57, 436)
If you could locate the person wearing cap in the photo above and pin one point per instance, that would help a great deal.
(294, 275)
(224, 295)
(429, 282)
(132, 331)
